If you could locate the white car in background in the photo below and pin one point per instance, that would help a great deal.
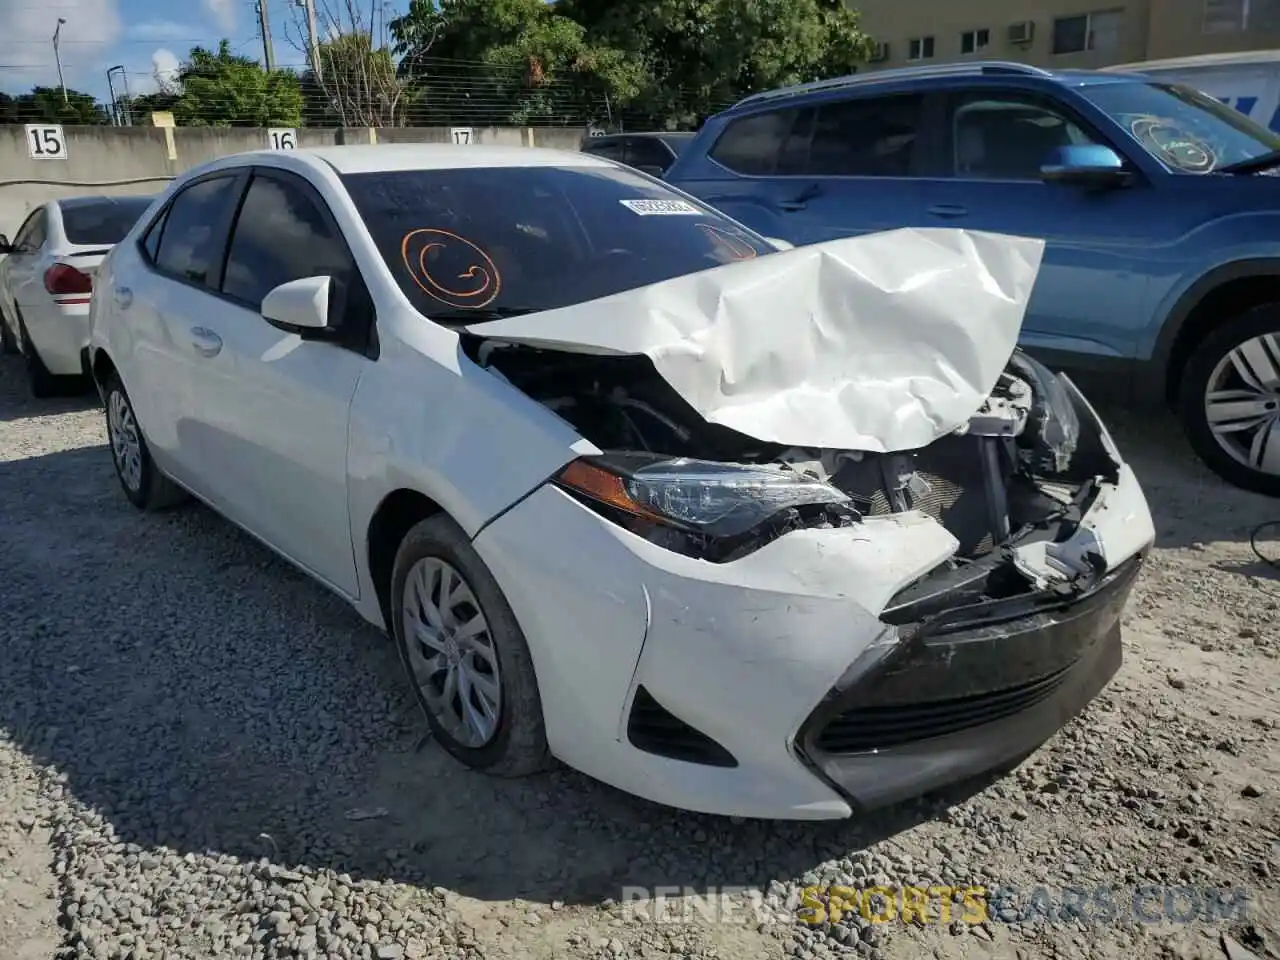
(46, 281)
(763, 533)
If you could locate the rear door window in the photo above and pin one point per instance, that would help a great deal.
(871, 137)
(31, 235)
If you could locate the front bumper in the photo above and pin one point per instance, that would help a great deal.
(966, 694)
(744, 667)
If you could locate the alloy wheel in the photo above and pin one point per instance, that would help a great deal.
(1242, 403)
(126, 445)
(451, 652)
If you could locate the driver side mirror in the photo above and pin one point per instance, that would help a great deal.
(299, 306)
(5, 245)
(1085, 165)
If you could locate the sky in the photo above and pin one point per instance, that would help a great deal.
(147, 37)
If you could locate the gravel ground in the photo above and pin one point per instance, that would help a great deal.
(202, 754)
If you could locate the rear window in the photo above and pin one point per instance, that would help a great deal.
(472, 244)
(101, 222)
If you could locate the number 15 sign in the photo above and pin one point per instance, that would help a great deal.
(45, 141)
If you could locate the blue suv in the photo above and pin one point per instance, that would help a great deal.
(1159, 205)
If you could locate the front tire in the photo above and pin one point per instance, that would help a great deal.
(140, 479)
(1229, 400)
(465, 654)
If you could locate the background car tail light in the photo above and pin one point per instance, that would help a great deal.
(62, 279)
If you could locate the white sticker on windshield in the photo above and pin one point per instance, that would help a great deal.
(660, 208)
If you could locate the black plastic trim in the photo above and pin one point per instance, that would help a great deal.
(654, 729)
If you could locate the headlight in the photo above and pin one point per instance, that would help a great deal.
(717, 511)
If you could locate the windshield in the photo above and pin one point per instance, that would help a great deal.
(103, 221)
(1188, 131)
(472, 243)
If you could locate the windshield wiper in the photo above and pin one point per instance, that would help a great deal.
(1253, 164)
(463, 317)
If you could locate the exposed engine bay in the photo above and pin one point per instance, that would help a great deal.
(1025, 465)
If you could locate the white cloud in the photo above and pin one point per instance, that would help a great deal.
(223, 13)
(160, 74)
(162, 31)
(26, 43)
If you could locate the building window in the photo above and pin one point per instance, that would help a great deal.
(1089, 31)
(1225, 16)
(920, 48)
(975, 41)
(1234, 16)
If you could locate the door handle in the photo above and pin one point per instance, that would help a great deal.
(123, 296)
(206, 342)
(948, 210)
(800, 200)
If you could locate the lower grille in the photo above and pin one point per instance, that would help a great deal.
(654, 729)
(866, 729)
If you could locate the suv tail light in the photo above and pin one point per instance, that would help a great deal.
(62, 279)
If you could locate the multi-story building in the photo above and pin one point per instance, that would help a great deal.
(1064, 33)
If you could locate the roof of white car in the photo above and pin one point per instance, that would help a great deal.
(374, 158)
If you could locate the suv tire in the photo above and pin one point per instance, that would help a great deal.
(1255, 391)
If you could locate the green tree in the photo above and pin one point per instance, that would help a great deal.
(508, 61)
(701, 55)
(220, 89)
(46, 105)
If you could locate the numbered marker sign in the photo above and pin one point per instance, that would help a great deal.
(461, 135)
(282, 138)
(46, 142)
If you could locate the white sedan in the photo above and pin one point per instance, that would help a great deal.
(46, 281)
(755, 531)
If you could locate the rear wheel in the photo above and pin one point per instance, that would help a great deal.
(42, 383)
(143, 483)
(1229, 400)
(8, 344)
(464, 653)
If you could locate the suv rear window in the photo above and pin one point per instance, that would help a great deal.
(467, 245)
(101, 222)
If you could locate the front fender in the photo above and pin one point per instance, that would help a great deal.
(1183, 293)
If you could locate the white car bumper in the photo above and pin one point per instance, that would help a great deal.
(786, 662)
(60, 333)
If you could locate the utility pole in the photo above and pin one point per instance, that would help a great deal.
(313, 41)
(57, 57)
(267, 48)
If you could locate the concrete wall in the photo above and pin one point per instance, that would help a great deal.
(137, 160)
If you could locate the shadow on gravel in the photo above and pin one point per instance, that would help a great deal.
(16, 402)
(1191, 505)
(202, 695)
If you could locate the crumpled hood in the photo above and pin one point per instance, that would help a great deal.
(883, 342)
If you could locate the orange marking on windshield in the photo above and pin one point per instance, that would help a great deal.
(736, 245)
(482, 270)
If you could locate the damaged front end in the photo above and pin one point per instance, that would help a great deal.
(1007, 638)
(1024, 468)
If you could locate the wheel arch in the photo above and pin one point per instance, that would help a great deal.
(394, 516)
(101, 367)
(1226, 291)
